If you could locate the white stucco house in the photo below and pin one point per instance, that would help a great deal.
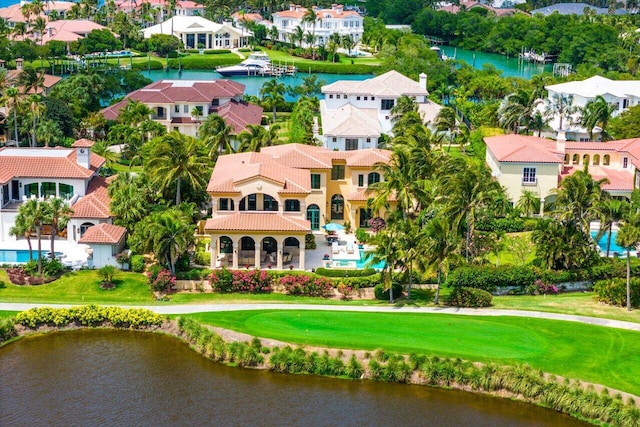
(622, 94)
(196, 32)
(355, 113)
(105, 241)
(173, 103)
(329, 21)
(67, 173)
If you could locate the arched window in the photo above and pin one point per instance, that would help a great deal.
(292, 205)
(606, 159)
(269, 203)
(566, 159)
(84, 227)
(248, 203)
(337, 206)
(575, 159)
(226, 245)
(292, 242)
(585, 159)
(313, 216)
(596, 159)
(373, 177)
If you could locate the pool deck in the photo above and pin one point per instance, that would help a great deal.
(75, 255)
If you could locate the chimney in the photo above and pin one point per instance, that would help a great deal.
(50, 31)
(339, 9)
(292, 7)
(19, 63)
(83, 152)
(561, 140)
(423, 81)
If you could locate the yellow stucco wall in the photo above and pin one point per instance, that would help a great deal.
(510, 177)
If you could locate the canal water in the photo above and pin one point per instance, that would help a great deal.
(510, 66)
(122, 378)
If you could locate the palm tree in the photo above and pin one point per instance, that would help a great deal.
(36, 212)
(310, 17)
(597, 112)
(528, 203)
(23, 227)
(562, 106)
(386, 252)
(629, 237)
(440, 247)
(578, 197)
(348, 43)
(131, 199)
(58, 212)
(12, 99)
(175, 157)
(297, 35)
(36, 109)
(171, 233)
(134, 113)
(216, 135)
(31, 80)
(49, 132)
(467, 187)
(272, 92)
(517, 109)
(610, 211)
(539, 122)
(273, 34)
(101, 148)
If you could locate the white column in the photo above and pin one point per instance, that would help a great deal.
(302, 255)
(258, 245)
(279, 263)
(235, 254)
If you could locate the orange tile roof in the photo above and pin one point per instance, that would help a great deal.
(25, 163)
(321, 13)
(262, 221)
(83, 143)
(300, 156)
(103, 234)
(619, 180)
(367, 158)
(49, 81)
(239, 115)
(523, 149)
(95, 204)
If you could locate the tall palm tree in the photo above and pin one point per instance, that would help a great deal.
(36, 110)
(348, 43)
(629, 237)
(272, 92)
(440, 248)
(310, 17)
(171, 234)
(297, 35)
(386, 252)
(58, 213)
(36, 212)
(610, 211)
(131, 199)
(23, 227)
(31, 80)
(539, 122)
(175, 158)
(49, 132)
(101, 148)
(597, 112)
(12, 99)
(216, 135)
(517, 109)
(562, 106)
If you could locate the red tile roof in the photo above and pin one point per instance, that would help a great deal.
(367, 158)
(239, 115)
(95, 204)
(262, 221)
(49, 81)
(27, 163)
(83, 143)
(619, 180)
(523, 149)
(300, 156)
(103, 234)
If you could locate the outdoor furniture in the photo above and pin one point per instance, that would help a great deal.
(287, 258)
(335, 248)
(350, 248)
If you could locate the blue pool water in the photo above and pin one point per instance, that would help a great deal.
(8, 256)
(602, 243)
(364, 260)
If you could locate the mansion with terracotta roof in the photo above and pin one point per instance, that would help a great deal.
(67, 173)
(182, 105)
(264, 204)
(522, 163)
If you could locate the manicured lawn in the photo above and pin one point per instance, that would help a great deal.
(591, 353)
(80, 287)
(4, 314)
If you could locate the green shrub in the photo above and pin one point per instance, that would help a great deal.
(383, 294)
(310, 241)
(137, 263)
(147, 65)
(504, 225)
(362, 235)
(614, 291)
(7, 329)
(202, 258)
(107, 275)
(203, 62)
(89, 315)
(489, 278)
(193, 274)
(336, 272)
(220, 51)
(469, 297)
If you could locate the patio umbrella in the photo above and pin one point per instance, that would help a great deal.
(332, 226)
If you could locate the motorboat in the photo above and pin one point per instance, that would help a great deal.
(257, 64)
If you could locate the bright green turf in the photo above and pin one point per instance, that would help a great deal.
(591, 353)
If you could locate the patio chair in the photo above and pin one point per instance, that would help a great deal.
(287, 258)
(350, 247)
(335, 248)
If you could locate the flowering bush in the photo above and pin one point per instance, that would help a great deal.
(376, 224)
(253, 281)
(346, 291)
(122, 258)
(303, 285)
(541, 288)
(161, 280)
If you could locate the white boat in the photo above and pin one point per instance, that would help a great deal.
(257, 64)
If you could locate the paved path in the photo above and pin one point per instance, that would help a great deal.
(199, 308)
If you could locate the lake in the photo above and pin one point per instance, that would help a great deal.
(122, 378)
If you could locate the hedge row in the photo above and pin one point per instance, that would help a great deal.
(614, 291)
(89, 315)
(202, 62)
(341, 273)
(469, 297)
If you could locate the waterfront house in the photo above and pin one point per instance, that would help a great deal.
(575, 9)
(356, 113)
(174, 104)
(264, 204)
(159, 9)
(195, 32)
(622, 94)
(13, 14)
(522, 163)
(67, 173)
(335, 20)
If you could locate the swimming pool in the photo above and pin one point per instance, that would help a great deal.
(365, 258)
(602, 243)
(17, 256)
